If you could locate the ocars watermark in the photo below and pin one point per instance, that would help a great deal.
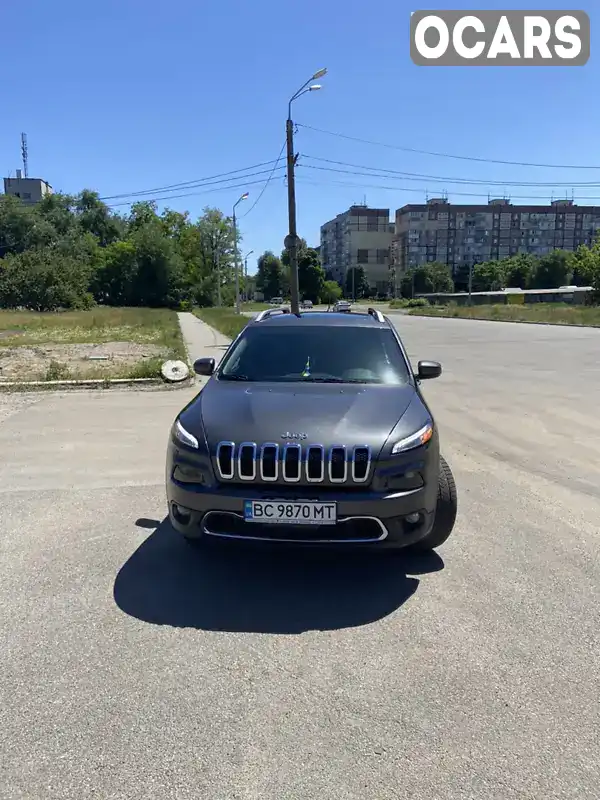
(500, 38)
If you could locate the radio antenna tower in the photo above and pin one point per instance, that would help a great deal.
(24, 154)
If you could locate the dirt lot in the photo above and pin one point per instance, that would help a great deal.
(99, 343)
(61, 361)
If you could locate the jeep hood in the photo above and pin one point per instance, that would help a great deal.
(327, 413)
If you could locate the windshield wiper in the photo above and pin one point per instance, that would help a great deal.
(234, 378)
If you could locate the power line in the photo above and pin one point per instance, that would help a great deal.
(193, 183)
(187, 194)
(475, 181)
(267, 182)
(446, 155)
(392, 177)
(422, 191)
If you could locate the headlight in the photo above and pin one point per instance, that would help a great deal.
(417, 439)
(184, 436)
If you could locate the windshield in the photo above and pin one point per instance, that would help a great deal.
(316, 354)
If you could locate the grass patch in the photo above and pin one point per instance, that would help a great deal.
(255, 306)
(550, 313)
(402, 302)
(100, 343)
(224, 320)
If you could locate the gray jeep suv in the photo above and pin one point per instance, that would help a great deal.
(312, 430)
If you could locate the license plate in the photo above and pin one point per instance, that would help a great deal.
(296, 513)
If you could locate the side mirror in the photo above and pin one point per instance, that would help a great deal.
(204, 366)
(428, 370)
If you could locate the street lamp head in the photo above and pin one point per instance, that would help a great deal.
(244, 196)
(319, 74)
(315, 87)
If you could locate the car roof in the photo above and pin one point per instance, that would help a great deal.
(321, 318)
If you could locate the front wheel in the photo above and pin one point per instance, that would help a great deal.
(445, 512)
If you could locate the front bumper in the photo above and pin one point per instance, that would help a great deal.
(365, 518)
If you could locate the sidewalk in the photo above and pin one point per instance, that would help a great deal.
(200, 339)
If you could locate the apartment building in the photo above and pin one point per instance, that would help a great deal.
(464, 235)
(29, 190)
(360, 237)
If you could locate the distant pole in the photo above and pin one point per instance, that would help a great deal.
(236, 255)
(353, 287)
(218, 265)
(470, 282)
(412, 285)
(24, 154)
(236, 265)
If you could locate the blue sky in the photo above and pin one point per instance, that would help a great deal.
(128, 95)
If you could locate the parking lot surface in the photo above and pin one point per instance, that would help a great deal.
(134, 667)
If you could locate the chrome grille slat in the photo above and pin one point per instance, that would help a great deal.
(226, 450)
(365, 451)
(320, 450)
(243, 473)
(289, 448)
(338, 448)
(293, 462)
(269, 446)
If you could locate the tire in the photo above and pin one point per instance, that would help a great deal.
(445, 512)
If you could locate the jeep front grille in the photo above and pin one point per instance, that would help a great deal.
(292, 463)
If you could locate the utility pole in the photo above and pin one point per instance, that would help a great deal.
(291, 240)
(236, 257)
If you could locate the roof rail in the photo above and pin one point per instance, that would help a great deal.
(270, 312)
(375, 312)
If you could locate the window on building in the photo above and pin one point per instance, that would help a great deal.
(382, 256)
(362, 256)
(26, 195)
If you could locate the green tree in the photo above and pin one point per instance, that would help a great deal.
(356, 283)
(311, 276)
(428, 278)
(551, 270)
(331, 292)
(270, 275)
(518, 270)
(43, 279)
(585, 264)
(489, 276)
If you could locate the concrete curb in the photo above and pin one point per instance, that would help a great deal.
(511, 321)
(95, 383)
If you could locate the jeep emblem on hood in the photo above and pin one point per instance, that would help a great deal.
(289, 435)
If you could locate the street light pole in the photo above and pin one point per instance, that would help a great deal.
(236, 254)
(291, 240)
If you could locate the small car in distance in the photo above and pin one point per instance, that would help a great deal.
(306, 304)
(276, 301)
(343, 306)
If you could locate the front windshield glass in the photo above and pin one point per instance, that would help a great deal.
(317, 354)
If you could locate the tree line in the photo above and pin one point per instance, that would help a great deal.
(522, 271)
(74, 251)
(272, 278)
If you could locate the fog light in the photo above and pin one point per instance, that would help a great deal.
(412, 519)
(181, 514)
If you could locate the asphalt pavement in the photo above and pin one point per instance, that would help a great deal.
(133, 667)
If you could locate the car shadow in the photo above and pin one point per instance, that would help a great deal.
(241, 589)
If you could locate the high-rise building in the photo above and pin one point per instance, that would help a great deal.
(360, 237)
(464, 235)
(29, 190)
